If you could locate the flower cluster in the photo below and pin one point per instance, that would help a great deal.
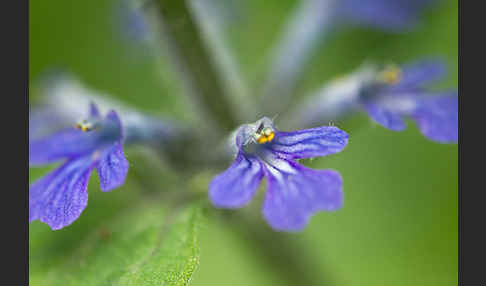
(388, 94)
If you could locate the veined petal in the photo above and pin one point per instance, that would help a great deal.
(235, 187)
(309, 143)
(437, 118)
(385, 117)
(112, 168)
(293, 197)
(59, 198)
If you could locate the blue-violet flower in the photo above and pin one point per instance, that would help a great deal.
(400, 92)
(295, 192)
(59, 198)
(391, 15)
(387, 95)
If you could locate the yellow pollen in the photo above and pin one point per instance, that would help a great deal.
(84, 126)
(391, 75)
(265, 136)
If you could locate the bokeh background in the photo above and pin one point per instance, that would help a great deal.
(399, 223)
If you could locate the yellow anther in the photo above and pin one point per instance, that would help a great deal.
(270, 137)
(84, 125)
(262, 139)
(266, 135)
(391, 75)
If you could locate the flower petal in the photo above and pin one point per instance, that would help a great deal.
(72, 142)
(393, 16)
(59, 198)
(235, 187)
(437, 118)
(66, 143)
(94, 111)
(383, 116)
(309, 143)
(293, 197)
(418, 74)
(112, 168)
(113, 121)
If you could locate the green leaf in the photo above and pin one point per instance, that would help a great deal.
(146, 245)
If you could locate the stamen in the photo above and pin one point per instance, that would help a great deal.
(265, 135)
(85, 125)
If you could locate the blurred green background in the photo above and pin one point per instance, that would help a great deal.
(398, 225)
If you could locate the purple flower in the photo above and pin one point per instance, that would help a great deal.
(134, 25)
(312, 22)
(400, 92)
(390, 15)
(59, 197)
(388, 95)
(294, 192)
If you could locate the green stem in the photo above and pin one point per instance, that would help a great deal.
(194, 62)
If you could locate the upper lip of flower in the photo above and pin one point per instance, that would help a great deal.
(74, 142)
